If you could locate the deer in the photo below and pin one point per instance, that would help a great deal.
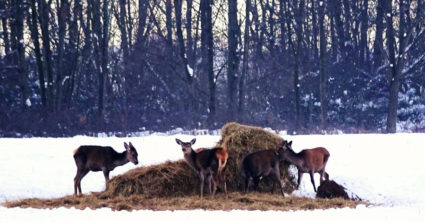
(209, 164)
(259, 164)
(307, 161)
(100, 158)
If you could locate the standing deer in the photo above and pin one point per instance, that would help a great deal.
(98, 158)
(264, 163)
(208, 163)
(307, 161)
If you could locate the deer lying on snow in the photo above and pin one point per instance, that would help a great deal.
(307, 161)
(98, 158)
(260, 164)
(208, 163)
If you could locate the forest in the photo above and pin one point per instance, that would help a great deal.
(71, 67)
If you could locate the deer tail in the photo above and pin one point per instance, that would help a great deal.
(222, 156)
(326, 157)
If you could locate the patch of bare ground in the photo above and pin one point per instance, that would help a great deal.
(234, 200)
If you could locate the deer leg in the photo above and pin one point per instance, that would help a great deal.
(300, 176)
(247, 179)
(312, 180)
(277, 179)
(225, 187)
(256, 182)
(77, 180)
(106, 174)
(201, 180)
(210, 181)
(323, 176)
(215, 182)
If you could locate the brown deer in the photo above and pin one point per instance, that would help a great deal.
(307, 161)
(208, 163)
(98, 158)
(264, 163)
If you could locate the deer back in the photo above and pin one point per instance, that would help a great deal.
(206, 159)
(315, 158)
(260, 163)
(95, 157)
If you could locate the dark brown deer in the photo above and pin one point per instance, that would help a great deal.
(98, 158)
(264, 163)
(307, 161)
(208, 163)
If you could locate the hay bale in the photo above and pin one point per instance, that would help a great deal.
(175, 179)
(239, 140)
(330, 189)
(163, 180)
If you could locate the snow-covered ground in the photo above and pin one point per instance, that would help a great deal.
(386, 170)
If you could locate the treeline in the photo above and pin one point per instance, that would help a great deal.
(69, 67)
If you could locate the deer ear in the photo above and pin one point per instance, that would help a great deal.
(178, 141)
(193, 141)
(290, 143)
(126, 146)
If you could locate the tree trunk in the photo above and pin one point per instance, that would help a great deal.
(143, 14)
(190, 56)
(63, 11)
(33, 26)
(244, 73)
(207, 57)
(5, 34)
(44, 19)
(339, 26)
(104, 47)
(364, 53)
(169, 22)
(74, 45)
(122, 24)
(189, 97)
(378, 44)
(232, 58)
(323, 62)
(298, 66)
(396, 62)
(18, 44)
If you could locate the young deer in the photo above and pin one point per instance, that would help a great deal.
(208, 163)
(307, 161)
(260, 164)
(98, 158)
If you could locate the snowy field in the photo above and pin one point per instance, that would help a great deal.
(386, 170)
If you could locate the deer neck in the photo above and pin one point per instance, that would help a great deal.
(190, 158)
(294, 158)
(120, 159)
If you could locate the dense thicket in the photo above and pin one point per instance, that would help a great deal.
(69, 67)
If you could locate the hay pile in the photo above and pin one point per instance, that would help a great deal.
(163, 180)
(239, 140)
(174, 179)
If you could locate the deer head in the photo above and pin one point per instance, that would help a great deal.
(285, 148)
(186, 146)
(131, 153)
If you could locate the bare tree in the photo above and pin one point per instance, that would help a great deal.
(232, 57)
(207, 48)
(323, 63)
(244, 72)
